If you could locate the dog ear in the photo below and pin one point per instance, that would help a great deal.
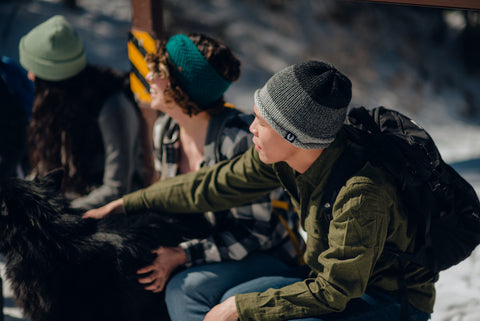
(53, 179)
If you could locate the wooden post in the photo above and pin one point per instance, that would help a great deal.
(147, 15)
(147, 27)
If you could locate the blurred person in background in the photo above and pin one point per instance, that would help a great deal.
(84, 118)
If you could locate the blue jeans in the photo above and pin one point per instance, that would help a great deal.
(191, 293)
(374, 305)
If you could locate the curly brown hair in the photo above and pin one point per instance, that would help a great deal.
(217, 54)
(64, 131)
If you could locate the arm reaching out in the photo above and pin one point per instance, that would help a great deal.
(114, 207)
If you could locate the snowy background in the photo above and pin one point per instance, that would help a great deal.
(407, 58)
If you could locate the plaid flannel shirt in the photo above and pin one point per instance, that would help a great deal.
(238, 231)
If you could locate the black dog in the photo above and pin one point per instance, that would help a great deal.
(63, 267)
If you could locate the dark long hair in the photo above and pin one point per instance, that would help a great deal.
(64, 131)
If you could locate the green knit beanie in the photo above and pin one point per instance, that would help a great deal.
(53, 50)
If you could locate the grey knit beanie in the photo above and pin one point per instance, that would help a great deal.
(306, 103)
(53, 50)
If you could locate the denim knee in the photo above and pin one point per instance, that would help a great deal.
(184, 300)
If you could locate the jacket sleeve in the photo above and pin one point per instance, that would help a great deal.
(355, 240)
(119, 125)
(220, 187)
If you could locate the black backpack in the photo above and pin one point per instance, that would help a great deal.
(442, 203)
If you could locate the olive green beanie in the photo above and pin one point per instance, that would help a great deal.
(53, 50)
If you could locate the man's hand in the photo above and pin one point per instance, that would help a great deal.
(225, 311)
(114, 207)
(167, 260)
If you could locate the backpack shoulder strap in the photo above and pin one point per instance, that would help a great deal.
(350, 162)
(214, 134)
(158, 137)
(364, 128)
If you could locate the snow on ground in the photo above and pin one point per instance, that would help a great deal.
(393, 60)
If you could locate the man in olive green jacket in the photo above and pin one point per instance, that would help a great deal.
(299, 114)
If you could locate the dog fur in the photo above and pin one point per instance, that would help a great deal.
(62, 267)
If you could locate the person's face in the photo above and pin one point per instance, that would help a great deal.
(271, 147)
(157, 91)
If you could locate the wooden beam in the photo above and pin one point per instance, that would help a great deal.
(454, 4)
(147, 27)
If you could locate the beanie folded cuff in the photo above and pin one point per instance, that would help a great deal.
(287, 130)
